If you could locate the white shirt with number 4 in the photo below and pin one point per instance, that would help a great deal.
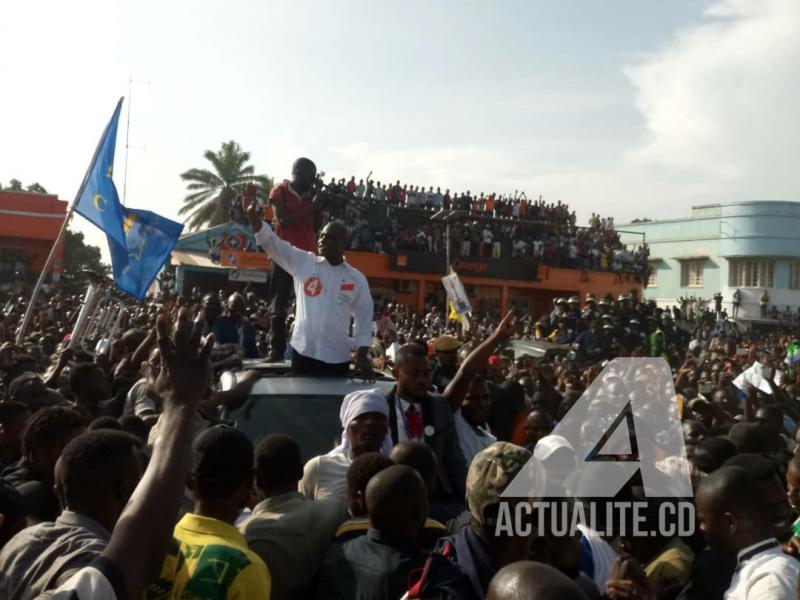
(327, 296)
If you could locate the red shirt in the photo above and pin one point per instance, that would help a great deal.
(301, 233)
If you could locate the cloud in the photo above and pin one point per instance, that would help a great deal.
(720, 123)
(720, 104)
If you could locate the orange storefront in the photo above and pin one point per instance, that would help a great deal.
(411, 288)
(29, 224)
(407, 278)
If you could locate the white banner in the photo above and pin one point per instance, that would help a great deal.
(456, 294)
(247, 275)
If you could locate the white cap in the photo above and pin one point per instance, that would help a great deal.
(548, 444)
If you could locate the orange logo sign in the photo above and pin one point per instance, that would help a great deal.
(312, 287)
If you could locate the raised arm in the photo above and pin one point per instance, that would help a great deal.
(457, 389)
(139, 542)
(289, 258)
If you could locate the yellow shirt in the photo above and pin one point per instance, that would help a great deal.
(210, 560)
(671, 569)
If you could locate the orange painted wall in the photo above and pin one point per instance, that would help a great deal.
(552, 283)
(31, 222)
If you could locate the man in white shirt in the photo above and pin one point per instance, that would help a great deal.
(328, 293)
(364, 417)
(735, 517)
(471, 420)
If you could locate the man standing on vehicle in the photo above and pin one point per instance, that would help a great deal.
(295, 218)
(329, 292)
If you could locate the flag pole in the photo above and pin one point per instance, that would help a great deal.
(49, 262)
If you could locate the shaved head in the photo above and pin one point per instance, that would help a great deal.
(528, 580)
(420, 457)
(397, 501)
(733, 509)
(332, 242)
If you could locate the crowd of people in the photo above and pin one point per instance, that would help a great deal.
(491, 226)
(120, 479)
(393, 509)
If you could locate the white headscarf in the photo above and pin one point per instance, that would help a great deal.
(358, 403)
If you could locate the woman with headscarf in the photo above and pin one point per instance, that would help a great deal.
(365, 428)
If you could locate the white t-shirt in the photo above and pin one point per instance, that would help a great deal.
(768, 575)
(327, 296)
(100, 580)
(471, 441)
(325, 476)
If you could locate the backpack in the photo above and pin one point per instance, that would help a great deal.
(441, 578)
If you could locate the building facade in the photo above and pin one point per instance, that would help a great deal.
(226, 258)
(750, 246)
(29, 224)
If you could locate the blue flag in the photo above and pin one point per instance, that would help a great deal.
(140, 241)
(149, 240)
(98, 200)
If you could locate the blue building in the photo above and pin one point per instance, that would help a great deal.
(749, 246)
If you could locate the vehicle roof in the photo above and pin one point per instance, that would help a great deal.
(276, 379)
(304, 408)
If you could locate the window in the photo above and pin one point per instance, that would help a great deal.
(692, 273)
(652, 276)
(753, 273)
(794, 275)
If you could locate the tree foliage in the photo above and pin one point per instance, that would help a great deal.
(36, 188)
(15, 185)
(211, 191)
(80, 256)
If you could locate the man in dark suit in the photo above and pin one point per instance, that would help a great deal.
(417, 415)
(235, 328)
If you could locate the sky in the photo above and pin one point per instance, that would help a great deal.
(629, 108)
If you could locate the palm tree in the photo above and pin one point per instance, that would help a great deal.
(211, 191)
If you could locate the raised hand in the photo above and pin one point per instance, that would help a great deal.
(185, 365)
(253, 217)
(507, 327)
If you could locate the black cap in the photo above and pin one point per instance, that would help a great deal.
(222, 458)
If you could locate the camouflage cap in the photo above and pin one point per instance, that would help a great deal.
(491, 471)
(446, 343)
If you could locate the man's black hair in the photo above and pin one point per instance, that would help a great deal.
(211, 297)
(748, 438)
(711, 453)
(305, 163)
(49, 426)
(78, 374)
(222, 461)
(278, 460)
(417, 455)
(92, 462)
(408, 352)
(396, 499)
(19, 392)
(9, 411)
(12, 507)
(134, 425)
(763, 468)
(733, 489)
(362, 469)
(105, 422)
